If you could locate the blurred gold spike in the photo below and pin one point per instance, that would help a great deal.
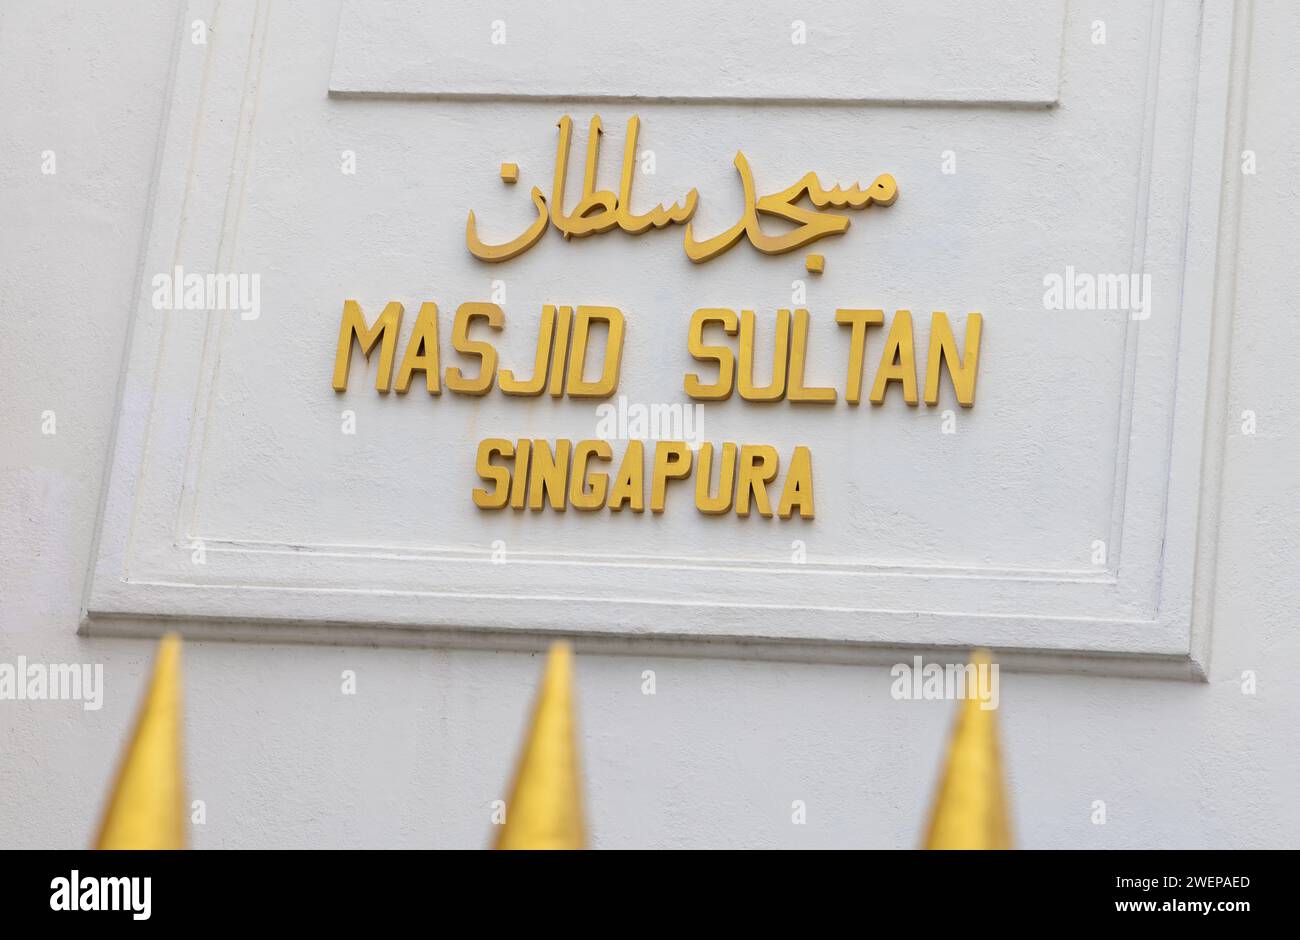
(147, 808)
(970, 808)
(545, 808)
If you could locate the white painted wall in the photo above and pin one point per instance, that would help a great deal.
(717, 756)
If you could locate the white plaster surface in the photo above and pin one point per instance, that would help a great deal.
(227, 436)
(718, 754)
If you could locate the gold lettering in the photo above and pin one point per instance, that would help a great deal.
(798, 490)
(421, 352)
(798, 358)
(519, 485)
(629, 483)
(500, 476)
(898, 361)
(603, 387)
(859, 320)
(726, 360)
(758, 466)
(560, 350)
(943, 348)
(537, 384)
(385, 328)
(587, 491)
(466, 314)
(548, 475)
(775, 389)
(715, 505)
(600, 210)
(672, 462)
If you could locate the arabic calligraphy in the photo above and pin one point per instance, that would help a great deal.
(600, 210)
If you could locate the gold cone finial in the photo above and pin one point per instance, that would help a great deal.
(545, 808)
(147, 807)
(970, 808)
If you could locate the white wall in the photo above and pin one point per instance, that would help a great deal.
(716, 757)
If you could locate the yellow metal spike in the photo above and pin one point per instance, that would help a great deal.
(545, 808)
(147, 808)
(970, 808)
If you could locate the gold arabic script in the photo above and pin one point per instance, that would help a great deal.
(599, 210)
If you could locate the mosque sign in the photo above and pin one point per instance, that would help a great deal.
(477, 331)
